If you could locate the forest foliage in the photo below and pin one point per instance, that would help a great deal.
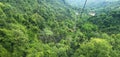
(51, 28)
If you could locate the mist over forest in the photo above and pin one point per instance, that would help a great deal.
(79, 3)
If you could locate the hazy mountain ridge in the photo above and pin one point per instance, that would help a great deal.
(92, 3)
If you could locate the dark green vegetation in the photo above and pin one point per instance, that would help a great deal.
(35, 28)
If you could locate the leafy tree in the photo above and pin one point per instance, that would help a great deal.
(95, 48)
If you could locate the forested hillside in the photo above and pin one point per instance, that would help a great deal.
(54, 28)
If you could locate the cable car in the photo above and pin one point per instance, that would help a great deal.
(92, 13)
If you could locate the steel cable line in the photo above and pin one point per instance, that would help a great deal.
(80, 15)
(83, 8)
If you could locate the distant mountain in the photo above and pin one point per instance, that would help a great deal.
(79, 3)
(112, 0)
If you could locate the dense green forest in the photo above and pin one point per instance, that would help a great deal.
(54, 28)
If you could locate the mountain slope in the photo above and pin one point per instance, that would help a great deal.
(52, 28)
